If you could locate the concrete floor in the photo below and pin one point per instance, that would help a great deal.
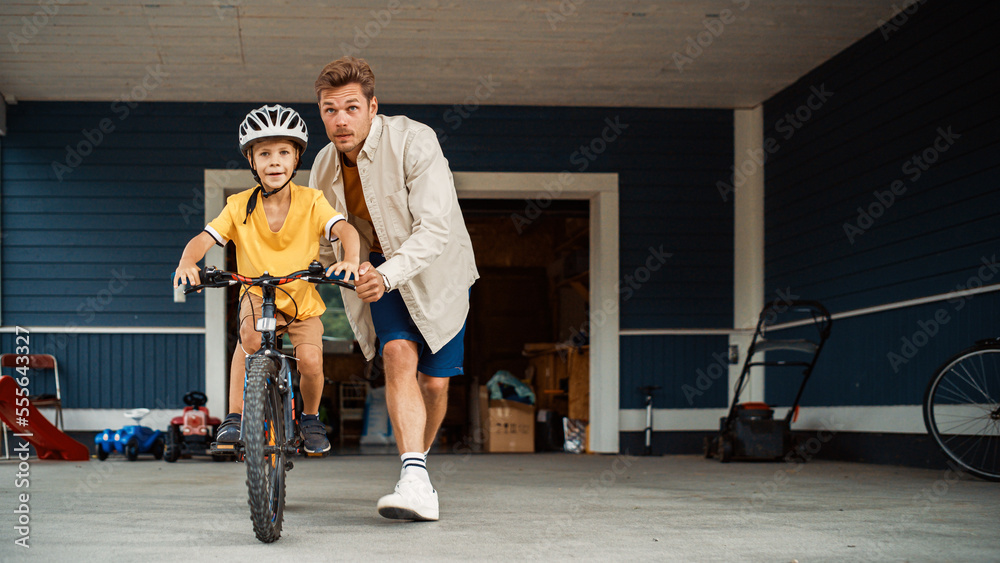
(509, 507)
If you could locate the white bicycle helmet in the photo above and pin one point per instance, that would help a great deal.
(273, 122)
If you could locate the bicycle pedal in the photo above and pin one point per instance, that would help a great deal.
(225, 449)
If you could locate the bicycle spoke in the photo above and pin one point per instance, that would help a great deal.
(953, 430)
(957, 396)
(967, 378)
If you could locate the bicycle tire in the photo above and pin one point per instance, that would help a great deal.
(962, 409)
(263, 426)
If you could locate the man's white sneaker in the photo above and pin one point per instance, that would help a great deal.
(413, 500)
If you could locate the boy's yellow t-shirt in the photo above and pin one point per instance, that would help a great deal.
(259, 249)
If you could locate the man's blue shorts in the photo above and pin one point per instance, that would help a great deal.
(392, 322)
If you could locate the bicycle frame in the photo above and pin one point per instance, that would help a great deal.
(269, 349)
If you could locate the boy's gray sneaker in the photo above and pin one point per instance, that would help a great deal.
(314, 432)
(229, 430)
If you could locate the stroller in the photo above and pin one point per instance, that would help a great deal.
(750, 431)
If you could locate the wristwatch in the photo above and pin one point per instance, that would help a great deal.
(385, 281)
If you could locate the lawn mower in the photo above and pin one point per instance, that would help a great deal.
(749, 431)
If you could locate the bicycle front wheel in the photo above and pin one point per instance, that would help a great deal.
(263, 440)
(962, 409)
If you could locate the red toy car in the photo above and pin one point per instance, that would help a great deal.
(193, 432)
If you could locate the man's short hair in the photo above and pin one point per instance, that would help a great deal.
(347, 70)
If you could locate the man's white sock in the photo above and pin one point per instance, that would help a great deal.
(415, 463)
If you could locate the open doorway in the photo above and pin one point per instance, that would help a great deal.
(598, 191)
(533, 288)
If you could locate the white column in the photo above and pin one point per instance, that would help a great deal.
(216, 362)
(604, 338)
(748, 247)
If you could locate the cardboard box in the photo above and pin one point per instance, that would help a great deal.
(508, 426)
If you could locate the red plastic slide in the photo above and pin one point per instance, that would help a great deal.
(49, 441)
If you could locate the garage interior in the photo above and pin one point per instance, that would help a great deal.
(533, 290)
(837, 150)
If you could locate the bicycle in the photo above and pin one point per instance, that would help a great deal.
(962, 409)
(269, 431)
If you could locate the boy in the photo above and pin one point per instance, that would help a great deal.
(277, 232)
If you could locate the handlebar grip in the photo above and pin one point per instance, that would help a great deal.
(179, 296)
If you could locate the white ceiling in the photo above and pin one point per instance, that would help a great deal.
(552, 52)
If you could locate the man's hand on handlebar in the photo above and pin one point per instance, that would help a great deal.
(370, 286)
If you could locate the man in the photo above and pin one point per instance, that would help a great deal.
(391, 177)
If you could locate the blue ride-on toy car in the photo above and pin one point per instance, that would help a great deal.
(130, 440)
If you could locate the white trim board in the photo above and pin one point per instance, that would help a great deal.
(106, 329)
(95, 420)
(684, 331)
(895, 305)
(897, 419)
(601, 190)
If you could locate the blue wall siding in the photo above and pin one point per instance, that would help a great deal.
(886, 358)
(133, 201)
(667, 161)
(115, 224)
(119, 371)
(681, 365)
(94, 245)
(888, 101)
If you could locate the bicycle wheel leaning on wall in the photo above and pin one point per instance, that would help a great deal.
(962, 409)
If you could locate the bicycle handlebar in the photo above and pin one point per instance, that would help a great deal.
(211, 277)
